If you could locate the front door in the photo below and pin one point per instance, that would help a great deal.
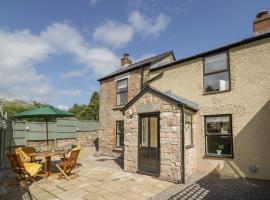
(149, 155)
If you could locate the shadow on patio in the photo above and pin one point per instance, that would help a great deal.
(11, 187)
(118, 161)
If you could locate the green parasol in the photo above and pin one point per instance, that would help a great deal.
(45, 112)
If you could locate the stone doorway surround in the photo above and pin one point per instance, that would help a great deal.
(168, 106)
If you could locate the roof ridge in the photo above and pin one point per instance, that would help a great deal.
(161, 54)
(137, 64)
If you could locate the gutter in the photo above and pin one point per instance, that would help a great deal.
(182, 148)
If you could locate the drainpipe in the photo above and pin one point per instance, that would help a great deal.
(142, 70)
(182, 149)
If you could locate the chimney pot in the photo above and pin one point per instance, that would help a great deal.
(126, 55)
(125, 61)
(261, 14)
(262, 23)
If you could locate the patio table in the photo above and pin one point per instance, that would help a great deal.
(48, 155)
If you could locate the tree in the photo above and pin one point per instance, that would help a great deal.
(87, 112)
(13, 107)
(76, 109)
(91, 112)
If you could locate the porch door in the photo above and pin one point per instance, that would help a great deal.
(149, 152)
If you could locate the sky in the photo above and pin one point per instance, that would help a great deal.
(54, 51)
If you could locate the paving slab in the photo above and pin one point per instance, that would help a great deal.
(72, 194)
(100, 178)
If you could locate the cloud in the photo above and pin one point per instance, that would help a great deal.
(146, 26)
(63, 107)
(74, 73)
(116, 34)
(72, 93)
(21, 51)
(66, 39)
(93, 2)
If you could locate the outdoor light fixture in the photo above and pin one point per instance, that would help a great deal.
(129, 113)
(27, 128)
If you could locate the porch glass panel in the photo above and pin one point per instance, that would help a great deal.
(153, 131)
(145, 132)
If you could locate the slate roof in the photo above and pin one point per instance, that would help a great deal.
(168, 95)
(153, 61)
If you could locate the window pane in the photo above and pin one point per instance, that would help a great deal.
(188, 136)
(119, 140)
(188, 118)
(219, 145)
(216, 82)
(153, 132)
(122, 98)
(144, 132)
(215, 63)
(218, 125)
(122, 85)
(119, 134)
(120, 127)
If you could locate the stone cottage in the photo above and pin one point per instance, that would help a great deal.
(207, 113)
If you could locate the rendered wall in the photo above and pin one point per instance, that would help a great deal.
(248, 102)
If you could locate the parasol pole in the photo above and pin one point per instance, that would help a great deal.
(47, 131)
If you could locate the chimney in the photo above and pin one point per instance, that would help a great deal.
(262, 23)
(125, 62)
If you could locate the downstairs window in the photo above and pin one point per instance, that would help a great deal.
(218, 135)
(119, 134)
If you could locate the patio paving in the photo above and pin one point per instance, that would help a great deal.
(101, 178)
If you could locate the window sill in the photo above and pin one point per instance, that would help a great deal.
(217, 157)
(216, 92)
(118, 107)
(189, 146)
(118, 149)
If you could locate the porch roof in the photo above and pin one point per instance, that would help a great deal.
(168, 95)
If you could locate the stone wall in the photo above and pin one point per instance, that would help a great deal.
(59, 143)
(88, 139)
(110, 113)
(169, 136)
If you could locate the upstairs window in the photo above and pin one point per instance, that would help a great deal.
(122, 92)
(216, 73)
(119, 134)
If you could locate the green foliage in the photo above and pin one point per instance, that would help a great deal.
(87, 112)
(14, 107)
(76, 109)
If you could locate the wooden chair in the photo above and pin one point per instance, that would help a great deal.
(24, 151)
(73, 147)
(67, 166)
(24, 171)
